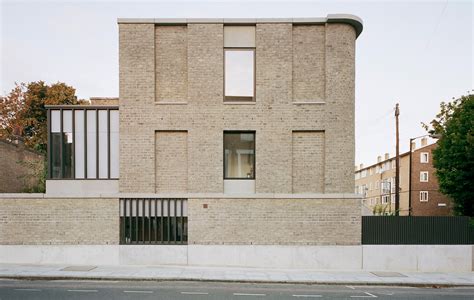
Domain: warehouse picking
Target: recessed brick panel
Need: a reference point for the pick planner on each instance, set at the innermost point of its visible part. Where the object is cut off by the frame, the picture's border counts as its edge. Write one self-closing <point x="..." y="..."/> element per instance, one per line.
<point x="171" y="163"/>
<point x="308" y="162"/>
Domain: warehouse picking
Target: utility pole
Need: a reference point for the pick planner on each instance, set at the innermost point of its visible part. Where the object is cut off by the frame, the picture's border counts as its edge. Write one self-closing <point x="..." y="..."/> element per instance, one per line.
<point x="397" y="164"/>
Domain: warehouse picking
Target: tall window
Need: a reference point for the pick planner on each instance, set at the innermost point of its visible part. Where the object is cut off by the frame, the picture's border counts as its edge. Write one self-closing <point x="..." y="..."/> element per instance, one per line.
<point x="239" y="155"/>
<point x="239" y="63"/>
<point x="83" y="143"/>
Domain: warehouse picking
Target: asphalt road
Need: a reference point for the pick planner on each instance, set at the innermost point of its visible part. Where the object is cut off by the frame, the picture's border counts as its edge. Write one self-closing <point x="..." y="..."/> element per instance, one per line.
<point x="62" y="289"/>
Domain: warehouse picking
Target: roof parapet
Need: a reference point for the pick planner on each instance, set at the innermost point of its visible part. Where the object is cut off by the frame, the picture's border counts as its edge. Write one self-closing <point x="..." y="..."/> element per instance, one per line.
<point x="349" y="19"/>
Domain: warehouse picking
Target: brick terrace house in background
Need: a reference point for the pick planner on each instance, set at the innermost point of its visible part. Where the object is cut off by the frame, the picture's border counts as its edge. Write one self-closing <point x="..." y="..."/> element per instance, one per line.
<point x="377" y="184"/>
<point x="426" y="199"/>
<point x="224" y="135"/>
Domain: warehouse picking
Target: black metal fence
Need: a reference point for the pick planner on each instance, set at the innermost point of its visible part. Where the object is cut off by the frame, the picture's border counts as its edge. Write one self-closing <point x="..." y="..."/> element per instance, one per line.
<point x="391" y="230"/>
<point x="153" y="221"/>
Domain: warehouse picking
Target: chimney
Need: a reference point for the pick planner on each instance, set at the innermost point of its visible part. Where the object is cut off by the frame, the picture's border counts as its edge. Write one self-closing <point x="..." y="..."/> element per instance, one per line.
<point x="413" y="145"/>
<point x="361" y="166"/>
<point x="424" y="142"/>
<point x="379" y="158"/>
<point x="387" y="156"/>
<point x="356" y="168"/>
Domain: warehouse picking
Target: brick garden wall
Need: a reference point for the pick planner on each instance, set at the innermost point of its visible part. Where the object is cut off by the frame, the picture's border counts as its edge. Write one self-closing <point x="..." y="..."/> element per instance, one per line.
<point x="58" y="221"/>
<point x="19" y="167"/>
<point x="274" y="221"/>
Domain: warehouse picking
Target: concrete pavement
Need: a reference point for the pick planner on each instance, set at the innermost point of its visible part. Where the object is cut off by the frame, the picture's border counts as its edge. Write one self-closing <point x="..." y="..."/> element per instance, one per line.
<point x="227" y="274"/>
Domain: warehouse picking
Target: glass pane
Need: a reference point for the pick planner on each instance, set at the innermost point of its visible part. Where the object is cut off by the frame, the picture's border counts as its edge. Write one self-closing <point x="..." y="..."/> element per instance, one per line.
<point x="114" y="144"/>
<point x="239" y="73"/>
<point x="91" y="144"/>
<point x="239" y="155"/>
<point x="79" y="143"/>
<point x="103" y="150"/>
<point x="55" y="155"/>
<point x="55" y="121"/>
<point x="67" y="144"/>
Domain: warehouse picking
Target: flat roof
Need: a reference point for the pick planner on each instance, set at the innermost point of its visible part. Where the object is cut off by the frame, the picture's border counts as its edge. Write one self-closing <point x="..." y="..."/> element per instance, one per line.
<point x="352" y="20"/>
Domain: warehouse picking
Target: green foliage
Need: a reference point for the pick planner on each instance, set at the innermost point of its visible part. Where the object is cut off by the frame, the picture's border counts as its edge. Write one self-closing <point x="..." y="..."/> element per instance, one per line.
<point x="454" y="156"/>
<point x="35" y="180"/>
<point x="384" y="210"/>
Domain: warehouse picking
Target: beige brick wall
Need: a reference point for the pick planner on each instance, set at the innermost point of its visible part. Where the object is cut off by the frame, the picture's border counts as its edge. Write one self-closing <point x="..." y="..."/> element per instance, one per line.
<point x="308" y="62"/>
<point x="171" y="161"/>
<point x="59" y="221"/>
<point x="274" y="221"/>
<point x="308" y="162"/>
<point x="171" y="63"/>
<point x="273" y="116"/>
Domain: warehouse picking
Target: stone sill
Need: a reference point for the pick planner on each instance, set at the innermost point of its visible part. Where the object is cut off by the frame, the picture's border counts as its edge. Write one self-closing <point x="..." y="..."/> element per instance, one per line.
<point x="240" y="102"/>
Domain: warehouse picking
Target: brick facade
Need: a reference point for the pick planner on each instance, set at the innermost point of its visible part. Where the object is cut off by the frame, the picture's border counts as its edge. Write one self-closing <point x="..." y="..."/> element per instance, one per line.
<point x="274" y="221"/>
<point x="435" y="197"/>
<point x="58" y="221"/>
<point x="294" y="63"/>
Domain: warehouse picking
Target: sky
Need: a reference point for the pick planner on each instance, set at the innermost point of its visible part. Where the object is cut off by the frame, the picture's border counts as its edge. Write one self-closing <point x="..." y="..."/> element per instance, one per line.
<point x="415" y="53"/>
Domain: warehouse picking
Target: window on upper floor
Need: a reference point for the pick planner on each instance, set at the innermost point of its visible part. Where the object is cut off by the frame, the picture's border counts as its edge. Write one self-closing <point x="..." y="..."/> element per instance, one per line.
<point x="83" y="143"/>
<point x="239" y="155"/>
<point x="423" y="176"/>
<point x="424" y="157"/>
<point x="239" y="63"/>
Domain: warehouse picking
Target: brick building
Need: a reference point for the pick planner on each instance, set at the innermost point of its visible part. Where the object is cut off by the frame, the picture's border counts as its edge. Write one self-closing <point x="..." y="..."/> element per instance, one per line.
<point x="420" y="195"/>
<point x="224" y="134"/>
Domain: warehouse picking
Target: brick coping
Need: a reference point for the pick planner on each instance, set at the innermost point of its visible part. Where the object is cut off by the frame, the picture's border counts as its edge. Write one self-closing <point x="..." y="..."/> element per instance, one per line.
<point x="181" y="195"/>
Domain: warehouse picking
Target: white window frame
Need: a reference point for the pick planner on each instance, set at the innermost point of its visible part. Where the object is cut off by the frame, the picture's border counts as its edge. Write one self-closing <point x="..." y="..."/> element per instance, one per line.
<point x="424" y="196"/>
<point x="422" y="155"/>
<point x="422" y="173"/>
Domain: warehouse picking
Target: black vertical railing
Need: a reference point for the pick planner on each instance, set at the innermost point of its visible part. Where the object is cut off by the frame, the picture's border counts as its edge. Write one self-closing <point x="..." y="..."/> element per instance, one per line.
<point x="410" y="230"/>
<point x="153" y="221"/>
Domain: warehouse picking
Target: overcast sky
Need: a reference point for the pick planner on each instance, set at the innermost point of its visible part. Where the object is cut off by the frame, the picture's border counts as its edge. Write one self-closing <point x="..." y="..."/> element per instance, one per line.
<point x="415" y="53"/>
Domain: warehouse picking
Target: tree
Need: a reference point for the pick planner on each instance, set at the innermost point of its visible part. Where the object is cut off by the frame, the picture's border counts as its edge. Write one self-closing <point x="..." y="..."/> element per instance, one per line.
<point x="22" y="111"/>
<point x="454" y="156"/>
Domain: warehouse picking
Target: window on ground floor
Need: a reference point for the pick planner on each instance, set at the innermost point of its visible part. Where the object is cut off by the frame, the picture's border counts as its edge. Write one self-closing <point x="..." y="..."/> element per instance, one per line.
<point x="239" y="155"/>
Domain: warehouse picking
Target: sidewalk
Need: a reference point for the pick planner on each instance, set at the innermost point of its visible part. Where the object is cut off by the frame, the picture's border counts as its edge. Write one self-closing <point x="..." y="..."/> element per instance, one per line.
<point x="50" y="272"/>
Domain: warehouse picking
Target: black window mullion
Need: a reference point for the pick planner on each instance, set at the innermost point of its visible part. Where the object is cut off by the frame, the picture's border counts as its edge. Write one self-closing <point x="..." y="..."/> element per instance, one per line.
<point x="97" y="144"/>
<point x="61" y="154"/>
<point x="73" y="148"/>
<point x="85" y="143"/>
<point x="48" y="149"/>
<point x="108" y="143"/>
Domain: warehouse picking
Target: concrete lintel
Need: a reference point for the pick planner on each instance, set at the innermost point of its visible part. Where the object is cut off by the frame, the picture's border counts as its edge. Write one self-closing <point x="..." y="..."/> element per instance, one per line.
<point x="274" y="20"/>
<point x="171" y="21"/>
<point x="21" y="195"/>
<point x="205" y="20"/>
<point x="135" y="21"/>
<point x="309" y="20"/>
<point x="240" y="21"/>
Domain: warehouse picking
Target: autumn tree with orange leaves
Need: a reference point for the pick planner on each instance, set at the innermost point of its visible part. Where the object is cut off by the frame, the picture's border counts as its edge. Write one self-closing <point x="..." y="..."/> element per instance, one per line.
<point x="22" y="111"/>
